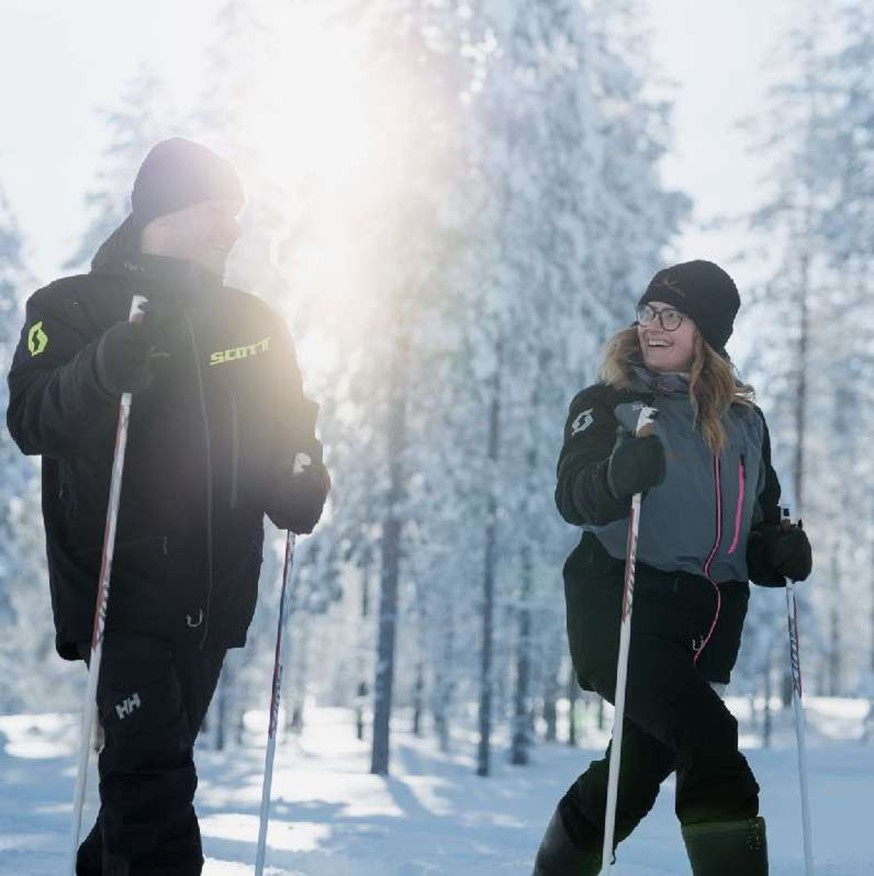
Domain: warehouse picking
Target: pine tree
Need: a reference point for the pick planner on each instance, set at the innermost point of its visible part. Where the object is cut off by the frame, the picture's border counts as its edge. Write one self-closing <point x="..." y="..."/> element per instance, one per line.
<point x="811" y="364"/>
<point x="26" y="633"/>
<point x="144" y="117"/>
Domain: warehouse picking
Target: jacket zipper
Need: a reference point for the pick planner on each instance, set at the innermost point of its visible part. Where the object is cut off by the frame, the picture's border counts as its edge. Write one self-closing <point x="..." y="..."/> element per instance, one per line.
<point x="740" y="504"/>
<point x="203" y="618"/>
<point x="717" y="476"/>
<point x="235" y="457"/>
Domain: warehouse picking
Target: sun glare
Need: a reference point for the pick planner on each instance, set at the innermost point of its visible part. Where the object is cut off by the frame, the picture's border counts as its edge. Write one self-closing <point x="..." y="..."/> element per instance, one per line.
<point x="306" y="114"/>
<point x="335" y="129"/>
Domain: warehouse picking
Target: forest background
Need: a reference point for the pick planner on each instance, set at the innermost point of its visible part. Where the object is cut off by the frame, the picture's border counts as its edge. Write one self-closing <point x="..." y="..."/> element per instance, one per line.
<point x="454" y="204"/>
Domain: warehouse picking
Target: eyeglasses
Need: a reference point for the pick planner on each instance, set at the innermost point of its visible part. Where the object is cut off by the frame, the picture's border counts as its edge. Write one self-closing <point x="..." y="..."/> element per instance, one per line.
<point x="669" y="318"/>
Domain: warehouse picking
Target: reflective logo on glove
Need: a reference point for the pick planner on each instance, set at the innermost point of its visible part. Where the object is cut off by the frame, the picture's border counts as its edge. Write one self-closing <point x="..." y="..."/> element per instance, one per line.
<point x="234" y="353"/>
<point x="37" y="339"/>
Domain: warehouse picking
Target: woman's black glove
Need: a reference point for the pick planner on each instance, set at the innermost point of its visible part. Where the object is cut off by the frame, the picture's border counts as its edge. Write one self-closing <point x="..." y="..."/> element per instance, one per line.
<point x="636" y="465"/>
<point x="122" y="358"/>
<point x="298" y="493"/>
<point x="789" y="553"/>
<point x="775" y="554"/>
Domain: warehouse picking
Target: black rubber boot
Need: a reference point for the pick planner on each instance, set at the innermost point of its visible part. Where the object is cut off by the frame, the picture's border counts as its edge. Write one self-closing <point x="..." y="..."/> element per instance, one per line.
<point x="727" y="848"/>
<point x="558" y="856"/>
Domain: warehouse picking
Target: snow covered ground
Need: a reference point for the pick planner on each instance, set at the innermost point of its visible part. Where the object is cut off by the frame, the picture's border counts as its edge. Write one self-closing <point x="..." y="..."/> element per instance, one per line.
<point x="434" y="815"/>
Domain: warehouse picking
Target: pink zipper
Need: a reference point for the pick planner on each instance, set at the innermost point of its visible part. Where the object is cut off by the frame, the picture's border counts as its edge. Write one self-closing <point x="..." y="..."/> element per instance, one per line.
<point x="740" y="504"/>
<point x="718" y="478"/>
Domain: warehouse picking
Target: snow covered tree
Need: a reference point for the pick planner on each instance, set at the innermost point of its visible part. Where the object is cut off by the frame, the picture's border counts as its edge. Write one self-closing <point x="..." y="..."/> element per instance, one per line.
<point x="30" y="677"/>
<point x="451" y="272"/>
<point x="810" y="361"/>
<point x="567" y="152"/>
<point x="144" y="116"/>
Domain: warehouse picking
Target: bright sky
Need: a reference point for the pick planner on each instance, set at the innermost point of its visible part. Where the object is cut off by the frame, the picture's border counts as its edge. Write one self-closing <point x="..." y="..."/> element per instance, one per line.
<point x="60" y="62"/>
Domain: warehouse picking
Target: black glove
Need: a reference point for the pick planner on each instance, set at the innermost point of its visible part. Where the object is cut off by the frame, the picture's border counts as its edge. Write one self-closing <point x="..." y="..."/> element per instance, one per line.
<point x="789" y="553"/>
<point x="122" y="358"/>
<point x="297" y="497"/>
<point x="636" y="465"/>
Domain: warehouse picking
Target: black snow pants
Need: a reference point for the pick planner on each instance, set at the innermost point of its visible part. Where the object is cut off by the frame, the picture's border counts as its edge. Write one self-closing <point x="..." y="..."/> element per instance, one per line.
<point x="674" y="720"/>
<point x="151" y="700"/>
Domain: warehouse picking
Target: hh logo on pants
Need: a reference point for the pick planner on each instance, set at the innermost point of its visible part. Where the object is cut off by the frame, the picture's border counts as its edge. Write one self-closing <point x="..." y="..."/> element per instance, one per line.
<point x="127" y="705"/>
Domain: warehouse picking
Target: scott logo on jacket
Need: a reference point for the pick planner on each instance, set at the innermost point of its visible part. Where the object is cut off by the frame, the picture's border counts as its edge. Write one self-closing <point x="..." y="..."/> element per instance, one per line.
<point x="220" y="357"/>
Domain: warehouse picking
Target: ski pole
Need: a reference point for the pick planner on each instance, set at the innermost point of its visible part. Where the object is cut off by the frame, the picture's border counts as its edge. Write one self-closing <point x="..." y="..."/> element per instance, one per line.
<point x="89" y="715"/>
<point x="798" y="709"/>
<point x="274" y="704"/>
<point x="644" y="427"/>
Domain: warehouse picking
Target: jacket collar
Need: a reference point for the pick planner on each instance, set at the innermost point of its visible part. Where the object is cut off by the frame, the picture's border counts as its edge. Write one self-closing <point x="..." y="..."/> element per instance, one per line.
<point x="663" y="383"/>
<point x="119" y="255"/>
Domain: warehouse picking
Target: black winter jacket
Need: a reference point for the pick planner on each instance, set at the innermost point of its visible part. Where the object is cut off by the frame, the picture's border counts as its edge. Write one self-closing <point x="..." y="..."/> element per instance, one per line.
<point x="224" y="407"/>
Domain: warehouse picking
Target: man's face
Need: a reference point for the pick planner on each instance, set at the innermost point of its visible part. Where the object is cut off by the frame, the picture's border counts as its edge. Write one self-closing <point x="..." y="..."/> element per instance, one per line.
<point x="203" y="233"/>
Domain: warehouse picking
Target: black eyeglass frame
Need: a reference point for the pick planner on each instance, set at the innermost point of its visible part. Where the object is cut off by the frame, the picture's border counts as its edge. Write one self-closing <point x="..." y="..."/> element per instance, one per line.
<point x="659" y="315"/>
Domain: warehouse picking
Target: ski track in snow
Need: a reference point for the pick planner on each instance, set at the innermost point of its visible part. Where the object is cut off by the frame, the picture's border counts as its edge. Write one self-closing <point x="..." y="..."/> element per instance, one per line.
<point x="433" y="815"/>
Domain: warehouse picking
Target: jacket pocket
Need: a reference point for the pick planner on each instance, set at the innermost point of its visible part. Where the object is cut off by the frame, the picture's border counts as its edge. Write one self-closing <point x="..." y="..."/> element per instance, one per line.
<point x="739" y="509"/>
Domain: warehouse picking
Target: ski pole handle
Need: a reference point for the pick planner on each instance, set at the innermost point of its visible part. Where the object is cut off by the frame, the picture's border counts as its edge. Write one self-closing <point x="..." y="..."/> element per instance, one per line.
<point x="645" y="420"/>
<point x="137" y="308"/>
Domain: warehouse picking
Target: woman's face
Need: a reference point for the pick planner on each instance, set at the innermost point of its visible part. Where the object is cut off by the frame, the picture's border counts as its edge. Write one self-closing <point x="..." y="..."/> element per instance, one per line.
<point x="665" y="350"/>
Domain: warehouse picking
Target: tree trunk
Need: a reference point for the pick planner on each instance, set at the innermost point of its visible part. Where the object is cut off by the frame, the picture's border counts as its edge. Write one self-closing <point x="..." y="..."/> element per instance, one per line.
<point x="294" y="712"/>
<point x="362" y="686"/>
<point x="418" y="694"/>
<point x="444" y="686"/>
<point x="485" y="702"/>
<point x="392" y="532"/>
<point x="572" y="699"/>
<point x="385" y="649"/>
<point x="550" y="707"/>
<point x="521" y="738"/>
<point x="871" y="572"/>
<point x="766" y="715"/>
<point x="221" y="712"/>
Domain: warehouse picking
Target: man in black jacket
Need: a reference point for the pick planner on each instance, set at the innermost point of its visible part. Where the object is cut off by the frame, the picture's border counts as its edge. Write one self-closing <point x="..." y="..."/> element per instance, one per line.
<point x="220" y="433"/>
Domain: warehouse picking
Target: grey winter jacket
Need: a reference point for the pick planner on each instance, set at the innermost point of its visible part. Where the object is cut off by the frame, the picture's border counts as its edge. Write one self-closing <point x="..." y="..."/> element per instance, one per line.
<point x="704" y="517"/>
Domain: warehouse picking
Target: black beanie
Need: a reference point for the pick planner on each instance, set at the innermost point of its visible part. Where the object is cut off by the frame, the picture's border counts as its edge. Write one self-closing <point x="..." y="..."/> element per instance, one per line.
<point x="704" y="292"/>
<point x="178" y="173"/>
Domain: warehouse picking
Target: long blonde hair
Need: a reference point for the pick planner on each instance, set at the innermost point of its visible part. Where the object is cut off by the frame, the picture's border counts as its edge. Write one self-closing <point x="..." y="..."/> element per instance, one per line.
<point x="713" y="383"/>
